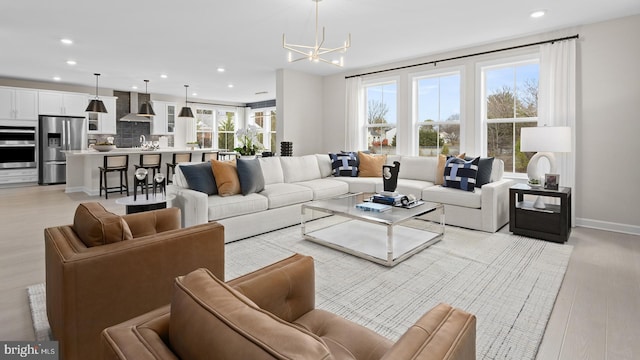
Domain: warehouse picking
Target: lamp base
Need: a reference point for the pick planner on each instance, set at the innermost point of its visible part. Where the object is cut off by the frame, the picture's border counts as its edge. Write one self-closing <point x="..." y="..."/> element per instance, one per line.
<point x="533" y="170"/>
<point x="539" y="204"/>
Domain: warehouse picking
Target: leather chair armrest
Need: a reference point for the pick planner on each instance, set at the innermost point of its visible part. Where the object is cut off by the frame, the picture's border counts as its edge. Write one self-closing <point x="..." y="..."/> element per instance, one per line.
<point x="153" y="222"/>
<point x="142" y="338"/>
<point x="443" y="333"/>
<point x="285" y="289"/>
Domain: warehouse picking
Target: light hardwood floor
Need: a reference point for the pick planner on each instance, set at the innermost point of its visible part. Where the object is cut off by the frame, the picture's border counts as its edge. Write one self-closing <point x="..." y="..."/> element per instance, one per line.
<point x="596" y="314"/>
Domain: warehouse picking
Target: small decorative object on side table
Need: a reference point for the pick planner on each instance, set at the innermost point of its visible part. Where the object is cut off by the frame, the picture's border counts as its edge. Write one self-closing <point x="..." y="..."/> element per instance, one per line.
<point x="552" y="223"/>
<point x="140" y="179"/>
<point x="159" y="183"/>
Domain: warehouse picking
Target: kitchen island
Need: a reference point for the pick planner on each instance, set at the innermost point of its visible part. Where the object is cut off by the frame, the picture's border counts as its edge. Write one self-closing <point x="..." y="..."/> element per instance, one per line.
<point x="83" y="174"/>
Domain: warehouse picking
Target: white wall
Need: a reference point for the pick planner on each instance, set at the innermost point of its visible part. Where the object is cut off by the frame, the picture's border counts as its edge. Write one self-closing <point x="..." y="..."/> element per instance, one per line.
<point x="608" y="115"/>
<point x="299" y="106"/>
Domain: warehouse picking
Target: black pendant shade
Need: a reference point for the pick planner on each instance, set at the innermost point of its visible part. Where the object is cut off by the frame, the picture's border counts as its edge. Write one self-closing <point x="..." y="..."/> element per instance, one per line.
<point x="145" y="107"/>
<point x="96" y="105"/>
<point x="186" y="112"/>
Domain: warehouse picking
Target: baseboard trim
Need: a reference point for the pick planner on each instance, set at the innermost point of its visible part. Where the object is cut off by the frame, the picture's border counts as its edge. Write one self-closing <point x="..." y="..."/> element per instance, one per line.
<point x="608" y="226"/>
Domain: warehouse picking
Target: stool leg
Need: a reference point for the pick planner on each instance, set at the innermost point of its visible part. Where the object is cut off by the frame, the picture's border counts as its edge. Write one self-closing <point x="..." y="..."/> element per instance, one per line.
<point x="106" y="187"/>
<point x="100" y="193"/>
<point x="126" y="181"/>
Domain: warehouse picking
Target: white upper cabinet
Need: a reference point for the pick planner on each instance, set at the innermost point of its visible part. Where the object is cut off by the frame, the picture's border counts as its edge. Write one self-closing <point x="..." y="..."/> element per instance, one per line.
<point x="18" y="104"/>
<point x="60" y="103"/>
<point x="99" y="123"/>
<point x="164" y="121"/>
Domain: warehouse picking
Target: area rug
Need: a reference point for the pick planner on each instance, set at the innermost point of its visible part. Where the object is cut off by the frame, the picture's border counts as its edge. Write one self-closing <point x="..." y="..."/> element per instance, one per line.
<point x="509" y="282"/>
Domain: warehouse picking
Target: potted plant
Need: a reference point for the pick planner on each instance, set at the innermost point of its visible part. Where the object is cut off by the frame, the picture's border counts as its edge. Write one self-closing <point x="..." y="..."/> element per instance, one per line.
<point x="193" y="145"/>
<point x="248" y="139"/>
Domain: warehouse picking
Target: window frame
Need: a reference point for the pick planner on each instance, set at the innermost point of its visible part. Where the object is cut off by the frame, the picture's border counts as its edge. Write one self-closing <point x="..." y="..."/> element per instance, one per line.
<point x="267" y="131"/>
<point x="414" y="79"/>
<point x="216" y="116"/>
<point x="364" y="124"/>
<point x="482" y="136"/>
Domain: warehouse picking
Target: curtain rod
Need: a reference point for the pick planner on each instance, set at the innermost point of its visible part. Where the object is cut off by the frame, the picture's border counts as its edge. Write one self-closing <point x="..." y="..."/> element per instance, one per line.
<point x="466" y="56"/>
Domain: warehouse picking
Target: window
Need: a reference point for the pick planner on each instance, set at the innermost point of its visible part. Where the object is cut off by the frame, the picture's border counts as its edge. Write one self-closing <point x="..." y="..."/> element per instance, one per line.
<point x="381" y="110"/>
<point x="510" y="102"/>
<point x="215" y="128"/>
<point x="437" y="114"/>
<point x="266" y="119"/>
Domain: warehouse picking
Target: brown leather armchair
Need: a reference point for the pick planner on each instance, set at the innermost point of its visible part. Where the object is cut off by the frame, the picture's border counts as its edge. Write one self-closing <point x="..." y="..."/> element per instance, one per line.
<point x="270" y="314"/>
<point x="105" y="269"/>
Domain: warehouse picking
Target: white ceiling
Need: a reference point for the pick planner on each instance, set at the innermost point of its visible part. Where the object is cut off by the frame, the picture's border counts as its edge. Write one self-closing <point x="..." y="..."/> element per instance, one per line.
<point x="128" y="41"/>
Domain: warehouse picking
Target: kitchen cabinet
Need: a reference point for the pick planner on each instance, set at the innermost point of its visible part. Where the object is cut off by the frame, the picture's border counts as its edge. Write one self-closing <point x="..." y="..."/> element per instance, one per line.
<point x="18" y="104"/>
<point x="99" y="123"/>
<point x="15" y="176"/>
<point x="61" y="103"/>
<point x="164" y="121"/>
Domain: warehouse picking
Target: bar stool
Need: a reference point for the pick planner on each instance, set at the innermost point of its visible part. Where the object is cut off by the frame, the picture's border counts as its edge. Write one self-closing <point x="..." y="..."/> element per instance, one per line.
<point x="177" y="159"/>
<point x="150" y="162"/>
<point x="207" y="156"/>
<point x="114" y="163"/>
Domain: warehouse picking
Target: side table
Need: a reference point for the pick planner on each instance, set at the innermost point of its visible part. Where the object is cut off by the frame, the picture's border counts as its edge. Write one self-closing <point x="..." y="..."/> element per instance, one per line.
<point x="154" y="202"/>
<point x="553" y="223"/>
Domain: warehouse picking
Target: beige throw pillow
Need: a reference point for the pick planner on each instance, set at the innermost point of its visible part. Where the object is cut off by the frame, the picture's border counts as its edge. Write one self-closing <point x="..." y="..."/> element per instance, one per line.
<point x="226" y="176"/>
<point x="370" y="165"/>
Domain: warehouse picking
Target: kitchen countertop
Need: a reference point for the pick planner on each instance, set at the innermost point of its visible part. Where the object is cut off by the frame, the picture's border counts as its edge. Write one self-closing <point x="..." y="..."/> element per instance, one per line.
<point x="123" y="151"/>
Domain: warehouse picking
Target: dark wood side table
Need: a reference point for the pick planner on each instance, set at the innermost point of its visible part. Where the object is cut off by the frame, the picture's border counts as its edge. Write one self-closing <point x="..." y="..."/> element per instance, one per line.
<point x="553" y="223"/>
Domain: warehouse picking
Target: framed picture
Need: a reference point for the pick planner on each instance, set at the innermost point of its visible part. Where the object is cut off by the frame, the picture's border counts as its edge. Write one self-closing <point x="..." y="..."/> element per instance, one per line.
<point x="551" y="181"/>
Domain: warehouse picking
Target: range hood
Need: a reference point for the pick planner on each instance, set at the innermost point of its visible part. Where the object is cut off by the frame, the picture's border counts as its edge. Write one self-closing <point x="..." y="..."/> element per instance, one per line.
<point x="133" y="106"/>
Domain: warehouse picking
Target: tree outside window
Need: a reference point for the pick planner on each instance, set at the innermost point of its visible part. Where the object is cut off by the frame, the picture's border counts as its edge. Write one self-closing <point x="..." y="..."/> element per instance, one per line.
<point x="511" y="103"/>
<point x="381" y="110"/>
<point x="226" y="130"/>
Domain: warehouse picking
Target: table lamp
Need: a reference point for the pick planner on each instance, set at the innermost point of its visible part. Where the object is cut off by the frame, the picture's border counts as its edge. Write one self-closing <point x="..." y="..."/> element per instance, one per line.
<point x="545" y="140"/>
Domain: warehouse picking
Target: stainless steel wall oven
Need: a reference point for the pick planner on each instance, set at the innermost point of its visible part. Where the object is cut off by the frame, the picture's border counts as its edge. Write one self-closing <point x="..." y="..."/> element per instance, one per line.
<point x="17" y="147"/>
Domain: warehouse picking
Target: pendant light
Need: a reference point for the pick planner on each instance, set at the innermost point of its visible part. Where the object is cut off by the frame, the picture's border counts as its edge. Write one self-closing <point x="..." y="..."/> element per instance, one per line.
<point x="96" y="105"/>
<point x="145" y="107"/>
<point x="186" y="110"/>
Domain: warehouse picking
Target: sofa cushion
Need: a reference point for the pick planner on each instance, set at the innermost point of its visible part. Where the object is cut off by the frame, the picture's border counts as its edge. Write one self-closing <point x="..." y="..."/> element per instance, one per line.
<point x="279" y="195"/>
<point x="271" y="170"/>
<point x="370" y="165"/>
<point x="300" y="168"/>
<point x="344" y="164"/>
<point x="461" y="174"/>
<point x="325" y="165"/>
<point x="250" y="176"/>
<point x="418" y="168"/>
<point x="410" y="186"/>
<point x="207" y="314"/>
<point x="222" y="207"/>
<point x="226" y="176"/>
<point x="364" y="185"/>
<point x="485" y="166"/>
<point x="325" y="188"/>
<point x="452" y="196"/>
<point x="199" y="177"/>
<point x="95" y="226"/>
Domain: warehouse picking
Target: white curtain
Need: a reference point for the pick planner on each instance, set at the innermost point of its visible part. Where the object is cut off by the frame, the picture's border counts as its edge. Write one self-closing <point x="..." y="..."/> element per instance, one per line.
<point x="353" y="116"/>
<point x="557" y="102"/>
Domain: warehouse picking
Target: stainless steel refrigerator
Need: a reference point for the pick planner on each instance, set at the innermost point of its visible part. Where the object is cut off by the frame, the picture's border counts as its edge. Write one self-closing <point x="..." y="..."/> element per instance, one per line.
<point x="58" y="133"/>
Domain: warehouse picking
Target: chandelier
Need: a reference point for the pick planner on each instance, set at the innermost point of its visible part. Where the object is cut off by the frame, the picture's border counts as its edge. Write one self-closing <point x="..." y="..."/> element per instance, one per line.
<point x="315" y="52"/>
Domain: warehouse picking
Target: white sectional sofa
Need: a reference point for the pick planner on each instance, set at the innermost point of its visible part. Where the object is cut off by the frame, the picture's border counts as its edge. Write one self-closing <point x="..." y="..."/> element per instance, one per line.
<point x="292" y="181"/>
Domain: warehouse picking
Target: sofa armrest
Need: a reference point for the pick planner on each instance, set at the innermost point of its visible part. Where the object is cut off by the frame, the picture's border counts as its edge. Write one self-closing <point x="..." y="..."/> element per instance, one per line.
<point x="152" y="222"/>
<point x="193" y="205"/>
<point x="285" y="289"/>
<point x="142" y="338"/>
<point x="443" y="333"/>
<point x="495" y="204"/>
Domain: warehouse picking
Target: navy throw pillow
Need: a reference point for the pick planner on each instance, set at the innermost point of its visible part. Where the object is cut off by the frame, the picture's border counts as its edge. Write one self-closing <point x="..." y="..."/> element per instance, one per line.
<point x="461" y="174"/>
<point x="344" y="164"/>
<point x="250" y="175"/>
<point x="484" y="170"/>
<point x="200" y="177"/>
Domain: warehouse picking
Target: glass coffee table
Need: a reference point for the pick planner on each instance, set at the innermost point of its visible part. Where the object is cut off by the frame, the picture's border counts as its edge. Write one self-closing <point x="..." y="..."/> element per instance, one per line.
<point x="386" y="238"/>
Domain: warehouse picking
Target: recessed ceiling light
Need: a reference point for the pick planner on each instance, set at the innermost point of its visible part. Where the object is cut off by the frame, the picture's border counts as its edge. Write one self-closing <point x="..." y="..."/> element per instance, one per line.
<point x="71" y="62"/>
<point x="194" y="94"/>
<point x="66" y="41"/>
<point x="164" y="76"/>
<point x="538" y="14"/>
<point x="230" y="86"/>
<point x="57" y="78"/>
<point x="134" y="87"/>
<point x="221" y="69"/>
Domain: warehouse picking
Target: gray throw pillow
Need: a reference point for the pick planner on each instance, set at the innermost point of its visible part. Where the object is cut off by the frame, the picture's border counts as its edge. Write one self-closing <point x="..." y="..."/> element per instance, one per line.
<point x="484" y="170"/>
<point x="200" y="177"/>
<point x="250" y="175"/>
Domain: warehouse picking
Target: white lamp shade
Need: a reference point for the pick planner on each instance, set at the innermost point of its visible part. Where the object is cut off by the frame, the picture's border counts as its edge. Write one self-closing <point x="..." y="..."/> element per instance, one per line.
<point x="545" y="138"/>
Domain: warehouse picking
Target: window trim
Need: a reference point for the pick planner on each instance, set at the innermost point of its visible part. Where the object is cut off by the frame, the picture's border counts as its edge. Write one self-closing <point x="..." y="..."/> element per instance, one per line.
<point x="364" y="126"/>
